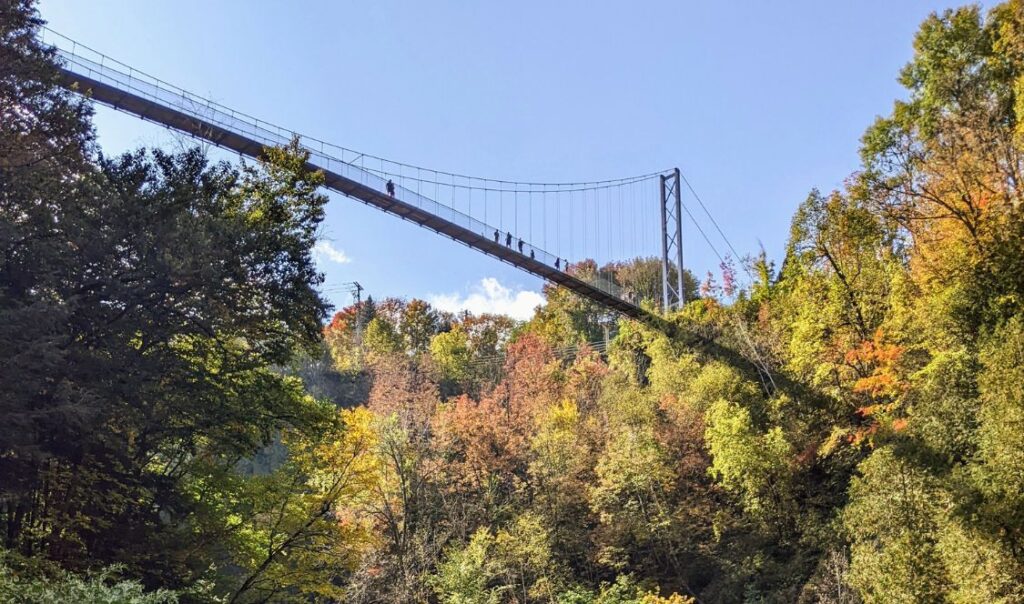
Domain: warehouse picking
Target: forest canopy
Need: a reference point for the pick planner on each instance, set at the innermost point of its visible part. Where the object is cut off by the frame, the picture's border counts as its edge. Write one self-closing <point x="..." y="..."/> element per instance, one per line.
<point x="186" y="420"/>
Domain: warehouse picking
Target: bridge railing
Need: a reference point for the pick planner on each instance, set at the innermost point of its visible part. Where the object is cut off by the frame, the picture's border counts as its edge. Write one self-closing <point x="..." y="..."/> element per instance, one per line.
<point x="87" y="62"/>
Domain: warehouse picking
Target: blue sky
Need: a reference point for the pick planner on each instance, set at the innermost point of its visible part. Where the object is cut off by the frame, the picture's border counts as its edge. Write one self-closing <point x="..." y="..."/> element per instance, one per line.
<point x="756" y="102"/>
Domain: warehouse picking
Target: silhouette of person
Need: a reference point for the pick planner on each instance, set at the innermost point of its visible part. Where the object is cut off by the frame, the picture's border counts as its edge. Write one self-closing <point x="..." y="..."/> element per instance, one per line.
<point x="558" y="263"/>
<point x="520" y="245"/>
<point x="391" y="187"/>
<point x="508" y="239"/>
<point x="495" y="235"/>
<point x="532" y="257"/>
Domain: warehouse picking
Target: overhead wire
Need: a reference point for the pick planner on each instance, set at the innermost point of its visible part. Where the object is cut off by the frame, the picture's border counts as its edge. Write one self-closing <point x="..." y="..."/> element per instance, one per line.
<point x="561" y="353"/>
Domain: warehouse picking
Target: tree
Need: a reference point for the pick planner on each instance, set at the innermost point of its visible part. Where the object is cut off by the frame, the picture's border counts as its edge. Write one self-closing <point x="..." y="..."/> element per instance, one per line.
<point x="146" y="302"/>
<point x="892" y="518"/>
<point x="513" y="565"/>
<point x="466" y="574"/>
<point x="45" y="141"/>
<point x="642" y="278"/>
<point x="380" y="338"/>
<point x="567" y="318"/>
<point x="629" y="495"/>
<point x="450" y="351"/>
<point x="999" y="472"/>
<point x="755" y="466"/>
<point x="58" y="585"/>
<point x="418" y="324"/>
<point x="294" y="538"/>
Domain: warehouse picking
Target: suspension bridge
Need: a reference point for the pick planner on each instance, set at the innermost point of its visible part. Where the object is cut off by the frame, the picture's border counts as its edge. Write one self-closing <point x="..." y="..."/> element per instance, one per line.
<point x="546" y="229"/>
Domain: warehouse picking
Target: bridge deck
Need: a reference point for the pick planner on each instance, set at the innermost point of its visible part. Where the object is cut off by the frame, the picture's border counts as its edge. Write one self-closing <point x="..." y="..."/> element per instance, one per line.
<point x="190" y="123"/>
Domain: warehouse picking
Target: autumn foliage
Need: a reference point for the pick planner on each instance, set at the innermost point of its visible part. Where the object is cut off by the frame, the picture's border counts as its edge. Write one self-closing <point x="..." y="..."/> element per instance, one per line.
<point x="183" y="420"/>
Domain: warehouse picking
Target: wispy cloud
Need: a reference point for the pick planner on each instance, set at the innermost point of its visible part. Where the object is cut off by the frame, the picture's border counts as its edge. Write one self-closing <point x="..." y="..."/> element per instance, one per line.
<point x="325" y="250"/>
<point x="490" y="296"/>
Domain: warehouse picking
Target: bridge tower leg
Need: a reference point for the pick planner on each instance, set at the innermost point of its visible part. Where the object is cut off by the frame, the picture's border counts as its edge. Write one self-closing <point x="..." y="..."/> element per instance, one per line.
<point x="672" y="294"/>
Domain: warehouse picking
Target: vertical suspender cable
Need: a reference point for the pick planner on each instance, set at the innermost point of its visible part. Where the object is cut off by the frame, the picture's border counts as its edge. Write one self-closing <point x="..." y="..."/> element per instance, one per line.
<point x="602" y="207"/>
<point x="608" y="228"/>
<point x="597" y="234"/>
<point x="597" y="226"/>
<point x="558" y="221"/>
<point x="544" y="218"/>
<point x="596" y="209"/>
<point x="572" y="223"/>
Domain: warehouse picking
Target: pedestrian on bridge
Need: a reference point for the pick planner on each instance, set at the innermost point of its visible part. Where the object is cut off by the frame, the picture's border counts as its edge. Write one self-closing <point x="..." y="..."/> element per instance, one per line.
<point x="391" y="187"/>
<point x="532" y="257"/>
<point x="558" y="263"/>
<point x="520" y="245"/>
<point x="496" y="235"/>
<point x="508" y="239"/>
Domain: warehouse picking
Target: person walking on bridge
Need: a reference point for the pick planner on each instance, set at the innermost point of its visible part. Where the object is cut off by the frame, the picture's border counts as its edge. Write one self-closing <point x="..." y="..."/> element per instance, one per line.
<point x="520" y="245"/>
<point x="496" y="235"/>
<point x="391" y="187"/>
<point x="508" y="239"/>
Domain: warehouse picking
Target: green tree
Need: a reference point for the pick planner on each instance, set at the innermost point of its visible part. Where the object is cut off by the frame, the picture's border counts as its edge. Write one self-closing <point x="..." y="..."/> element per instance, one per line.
<point x="381" y="338"/>
<point x="513" y="565"/>
<point x="450" y="351"/>
<point x="466" y="574"/>
<point x="147" y="301"/>
<point x="418" y="324"/>
<point x="893" y="519"/>
<point x="755" y="466"/>
<point x="999" y="472"/>
<point x="56" y="586"/>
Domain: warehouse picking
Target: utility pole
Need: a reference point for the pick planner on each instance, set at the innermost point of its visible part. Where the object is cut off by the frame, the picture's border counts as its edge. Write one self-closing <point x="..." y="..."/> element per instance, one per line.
<point x="356" y="290"/>
<point x="357" y="293"/>
<point x="672" y="294"/>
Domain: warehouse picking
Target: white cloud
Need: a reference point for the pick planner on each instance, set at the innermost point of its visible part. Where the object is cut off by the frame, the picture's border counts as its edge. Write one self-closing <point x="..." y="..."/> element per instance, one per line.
<point x="324" y="249"/>
<point x="490" y="296"/>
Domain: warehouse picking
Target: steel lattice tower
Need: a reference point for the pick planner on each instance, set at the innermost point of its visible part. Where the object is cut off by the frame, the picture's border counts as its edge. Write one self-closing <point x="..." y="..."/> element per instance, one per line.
<point x="672" y="294"/>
